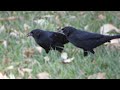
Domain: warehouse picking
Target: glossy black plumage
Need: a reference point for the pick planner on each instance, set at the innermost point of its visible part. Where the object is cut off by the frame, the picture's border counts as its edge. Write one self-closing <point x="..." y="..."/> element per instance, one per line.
<point x="86" y="40"/>
<point x="49" y="40"/>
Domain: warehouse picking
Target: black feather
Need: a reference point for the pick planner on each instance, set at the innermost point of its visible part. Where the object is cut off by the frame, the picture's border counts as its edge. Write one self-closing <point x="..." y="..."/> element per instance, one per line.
<point x="49" y="40"/>
<point x="86" y="40"/>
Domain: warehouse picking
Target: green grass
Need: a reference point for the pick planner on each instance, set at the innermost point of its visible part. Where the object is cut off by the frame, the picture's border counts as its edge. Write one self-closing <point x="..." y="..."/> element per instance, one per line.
<point x="105" y="60"/>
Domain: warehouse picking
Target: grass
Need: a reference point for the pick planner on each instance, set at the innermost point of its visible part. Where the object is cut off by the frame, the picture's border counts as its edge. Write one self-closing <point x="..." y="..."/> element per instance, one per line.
<point x="105" y="60"/>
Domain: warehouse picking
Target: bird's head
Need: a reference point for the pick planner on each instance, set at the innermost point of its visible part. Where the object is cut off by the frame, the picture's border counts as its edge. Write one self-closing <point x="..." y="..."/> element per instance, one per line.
<point x="34" y="33"/>
<point x="67" y="31"/>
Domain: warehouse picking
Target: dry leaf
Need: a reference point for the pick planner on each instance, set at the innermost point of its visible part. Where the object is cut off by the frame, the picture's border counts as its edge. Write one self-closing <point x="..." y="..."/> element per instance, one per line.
<point x="72" y="17"/>
<point x="41" y="22"/>
<point x="30" y="76"/>
<point x="26" y="27"/>
<point x="26" y="70"/>
<point x="115" y="41"/>
<point x="12" y="18"/>
<point x="97" y="76"/>
<point x="14" y="34"/>
<point x="106" y="28"/>
<point x="43" y="75"/>
<point x="65" y="58"/>
<point x="81" y="13"/>
<point x="66" y="61"/>
<point x="3" y="76"/>
<point x="18" y="78"/>
<point x="9" y="18"/>
<point x="47" y="59"/>
<point x="2" y="28"/>
<point x="5" y="44"/>
<point x="101" y="17"/>
<point x="6" y="60"/>
<point x="11" y="76"/>
<point x="57" y="19"/>
<point x="47" y="16"/>
<point x="86" y="27"/>
<point x="39" y="49"/>
<point x="29" y="52"/>
<point x="10" y="68"/>
<point x="64" y="55"/>
<point x="21" y="72"/>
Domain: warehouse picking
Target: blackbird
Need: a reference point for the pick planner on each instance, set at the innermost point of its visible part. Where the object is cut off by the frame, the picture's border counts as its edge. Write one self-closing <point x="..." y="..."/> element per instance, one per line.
<point x="85" y="40"/>
<point x="49" y="40"/>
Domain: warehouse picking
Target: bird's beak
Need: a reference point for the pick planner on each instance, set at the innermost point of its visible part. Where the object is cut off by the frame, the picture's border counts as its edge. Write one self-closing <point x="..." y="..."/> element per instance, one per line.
<point x="61" y="31"/>
<point x="29" y="34"/>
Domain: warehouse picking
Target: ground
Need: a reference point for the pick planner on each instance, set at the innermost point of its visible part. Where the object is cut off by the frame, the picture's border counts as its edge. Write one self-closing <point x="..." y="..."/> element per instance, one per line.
<point x="19" y="57"/>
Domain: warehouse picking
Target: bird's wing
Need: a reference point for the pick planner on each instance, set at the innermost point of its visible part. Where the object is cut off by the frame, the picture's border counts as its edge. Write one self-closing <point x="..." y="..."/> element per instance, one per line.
<point x="59" y="38"/>
<point x="44" y="40"/>
<point x="87" y="35"/>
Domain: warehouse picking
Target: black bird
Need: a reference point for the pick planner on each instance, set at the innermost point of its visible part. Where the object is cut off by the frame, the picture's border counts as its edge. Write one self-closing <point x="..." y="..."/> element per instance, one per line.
<point x="49" y="40"/>
<point x="85" y="40"/>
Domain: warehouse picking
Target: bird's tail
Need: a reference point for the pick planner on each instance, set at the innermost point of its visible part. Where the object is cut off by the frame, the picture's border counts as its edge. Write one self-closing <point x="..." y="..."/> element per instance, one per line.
<point x="108" y="38"/>
<point x="114" y="37"/>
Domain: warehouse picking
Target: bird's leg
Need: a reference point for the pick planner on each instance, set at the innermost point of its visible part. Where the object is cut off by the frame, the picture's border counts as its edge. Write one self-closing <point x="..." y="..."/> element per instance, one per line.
<point x="109" y="41"/>
<point x="60" y="49"/>
<point x="85" y="53"/>
<point x="47" y="50"/>
<point x="92" y="51"/>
